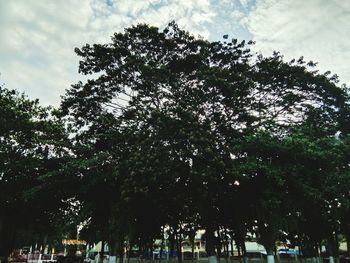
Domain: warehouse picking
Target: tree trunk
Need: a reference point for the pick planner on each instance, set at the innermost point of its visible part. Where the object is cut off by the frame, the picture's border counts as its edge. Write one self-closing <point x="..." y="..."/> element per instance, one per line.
<point x="152" y="249"/>
<point x="140" y="251"/>
<point x="161" y="248"/>
<point x="241" y="248"/>
<point x="119" y="248"/>
<point x="218" y="244"/>
<point x="210" y="245"/>
<point x="319" y="245"/>
<point x="120" y="251"/>
<point x="336" y="247"/>
<point x="179" y="248"/>
<point x="113" y="251"/>
<point x="44" y="245"/>
<point x="239" y="235"/>
<point x="244" y="251"/>
<point x="49" y="247"/>
<point x="102" y="252"/>
<point x="226" y="246"/>
<point x="231" y="244"/>
<point x="331" y="248"/>
<point x="129" y="251"/>
<point x="268" y="240"/>
<point x="192" y="249"/>
<point x="171" y="246"/>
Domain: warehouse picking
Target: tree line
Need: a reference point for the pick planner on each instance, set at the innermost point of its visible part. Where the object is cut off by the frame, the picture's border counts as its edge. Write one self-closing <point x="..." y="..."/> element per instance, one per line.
<point x="171" y="133"/>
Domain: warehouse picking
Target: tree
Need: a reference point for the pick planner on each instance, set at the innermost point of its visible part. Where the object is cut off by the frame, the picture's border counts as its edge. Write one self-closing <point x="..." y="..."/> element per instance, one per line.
<point x="172" y="119"/>
<point x="32" y="142"/>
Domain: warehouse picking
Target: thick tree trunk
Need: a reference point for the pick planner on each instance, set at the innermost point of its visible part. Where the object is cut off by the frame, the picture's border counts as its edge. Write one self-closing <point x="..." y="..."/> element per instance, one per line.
<point x="113" y="251"/>
<point x="210" y="245"/>
<point x="268" y="240"/>
<point x="240" y="244"/>
<point x="331" y="247"/>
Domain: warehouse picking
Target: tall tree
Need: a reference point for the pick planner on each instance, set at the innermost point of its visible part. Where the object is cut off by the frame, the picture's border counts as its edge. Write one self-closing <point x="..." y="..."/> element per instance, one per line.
<point x="179" y="119"/>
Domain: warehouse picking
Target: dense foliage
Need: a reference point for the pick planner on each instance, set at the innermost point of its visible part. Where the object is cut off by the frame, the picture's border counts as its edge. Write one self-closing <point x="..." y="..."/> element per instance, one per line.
<point x="32" y="144"/>
<point x="171" y="134"/>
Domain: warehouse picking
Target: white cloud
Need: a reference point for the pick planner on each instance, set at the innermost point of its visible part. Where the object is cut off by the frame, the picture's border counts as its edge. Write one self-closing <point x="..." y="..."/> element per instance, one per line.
<point x="317" y="30"/>
<point x="244" y="3"/>
<point x="38" y="37"/>
<point x="36" y="51"/>
<point x="237" y="15"/>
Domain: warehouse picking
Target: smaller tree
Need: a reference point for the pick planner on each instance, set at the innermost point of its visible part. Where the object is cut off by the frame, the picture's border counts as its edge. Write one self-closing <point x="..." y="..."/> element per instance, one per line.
<point x="32" y="143"/>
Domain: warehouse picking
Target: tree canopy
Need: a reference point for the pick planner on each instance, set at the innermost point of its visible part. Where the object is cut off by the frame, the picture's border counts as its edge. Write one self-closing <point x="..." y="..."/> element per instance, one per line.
<point x="173" y="133"/>
<point x="32" y="144"/>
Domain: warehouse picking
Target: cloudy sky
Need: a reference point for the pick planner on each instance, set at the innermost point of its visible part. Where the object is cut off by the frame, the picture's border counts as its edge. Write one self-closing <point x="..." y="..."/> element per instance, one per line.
<point x="37" y="37"/>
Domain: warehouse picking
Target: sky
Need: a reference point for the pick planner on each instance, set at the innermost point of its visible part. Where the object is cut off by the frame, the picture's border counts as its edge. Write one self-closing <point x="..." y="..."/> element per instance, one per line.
<point x="38" y="37"/>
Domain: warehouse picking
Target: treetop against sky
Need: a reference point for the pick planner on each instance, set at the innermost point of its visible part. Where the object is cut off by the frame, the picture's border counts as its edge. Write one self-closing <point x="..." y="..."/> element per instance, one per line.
<point x="38" y="37"/>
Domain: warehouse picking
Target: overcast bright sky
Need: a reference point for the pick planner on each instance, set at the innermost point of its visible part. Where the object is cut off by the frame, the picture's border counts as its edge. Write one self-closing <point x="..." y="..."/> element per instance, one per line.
<point x="37" y="37"/>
